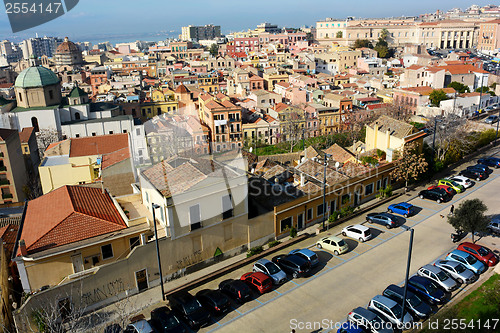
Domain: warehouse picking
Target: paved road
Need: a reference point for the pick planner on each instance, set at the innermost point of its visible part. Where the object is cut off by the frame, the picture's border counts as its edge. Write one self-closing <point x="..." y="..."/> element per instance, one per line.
<point x="350" y="280"/>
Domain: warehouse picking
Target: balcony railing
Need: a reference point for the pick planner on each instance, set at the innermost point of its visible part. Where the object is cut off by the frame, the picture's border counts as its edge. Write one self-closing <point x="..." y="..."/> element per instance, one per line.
<point x="7" y="196"/>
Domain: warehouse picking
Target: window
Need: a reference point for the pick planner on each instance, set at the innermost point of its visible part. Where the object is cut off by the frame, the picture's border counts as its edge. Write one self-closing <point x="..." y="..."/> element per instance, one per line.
<point x="227" y="207"/>
<point x="286" y="224"/>
<point x="51" y="94"/>
<point x="319" y="210"/>
<point x="345" y="198"/>
<point x="309" y="214"/>
<point x="195" y="217"/>
<point x="138" y="131"/>
<point x="134" y="241"/>
<point x="94" y="134"/>
<point x="369" y="189"/>
<point x="77" y="135"/>
<point x="379" y="184"/>
<point x="110" y="132"/>
<point x="107" y="251"/>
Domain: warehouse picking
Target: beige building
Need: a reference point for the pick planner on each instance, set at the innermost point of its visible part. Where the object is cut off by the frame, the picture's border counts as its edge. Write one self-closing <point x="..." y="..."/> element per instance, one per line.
<point x="489" y="35"/>
<point x="13" y="174"/>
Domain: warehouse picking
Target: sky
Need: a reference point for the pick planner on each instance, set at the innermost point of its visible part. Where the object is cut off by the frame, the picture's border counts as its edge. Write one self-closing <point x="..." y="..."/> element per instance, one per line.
<point x="99" y="19"/>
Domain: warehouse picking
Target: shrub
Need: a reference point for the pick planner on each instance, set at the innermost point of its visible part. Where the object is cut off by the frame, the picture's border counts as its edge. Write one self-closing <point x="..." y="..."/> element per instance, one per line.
<point x="486" y="137"/>
<point x="346" y="211"/>
<point x="385" y="192"/>
<point x="293" y="232"/>
<point x="273" y="243"/>
<point x="380" y="153"/>
<point x="254" y="250"/>
<point x="369" y="160"/>
<point x="333" y="217"/>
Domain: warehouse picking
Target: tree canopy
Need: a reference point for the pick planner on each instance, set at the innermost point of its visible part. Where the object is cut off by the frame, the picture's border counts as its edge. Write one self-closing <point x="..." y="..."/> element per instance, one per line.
<point x="486" y="90"/>
<point x="469" y="217"/>
<point x="411" y="164"/>
<point x="360" y="43"/>
<point x="459" y="87"/>
<point x="214" y="50"/>
<point x="436" y="96"/>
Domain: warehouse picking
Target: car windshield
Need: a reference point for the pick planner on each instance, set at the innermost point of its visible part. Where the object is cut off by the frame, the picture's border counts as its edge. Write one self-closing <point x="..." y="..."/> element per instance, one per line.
<point x="272" y="268"/>
<point x="442" y="276"/>
<point x="431" y="288"/>
<point x="170" y="321"/>
<point x="460" y="268"/>
<point x="471" y="260"/>
<point x="377" y="322"/>
<point x="341" y="242"/>
<point x="454" y="183"/>
<point x="482" y="251"/>
<point x="414" y="300"/>
<point x="396" y="309"/>
<point x="192" y="306"/>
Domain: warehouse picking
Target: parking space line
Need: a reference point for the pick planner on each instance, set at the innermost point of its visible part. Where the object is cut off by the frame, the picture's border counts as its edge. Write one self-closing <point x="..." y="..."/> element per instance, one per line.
<point x="277" y="292"/>
<point x="293" y="282"/>
<point x="255" y="299"/>
<point x="235" y="309"/>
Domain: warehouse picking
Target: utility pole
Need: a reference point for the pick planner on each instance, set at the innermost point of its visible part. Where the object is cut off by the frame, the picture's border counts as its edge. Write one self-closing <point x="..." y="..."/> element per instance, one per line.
<point x="155" y="206"/>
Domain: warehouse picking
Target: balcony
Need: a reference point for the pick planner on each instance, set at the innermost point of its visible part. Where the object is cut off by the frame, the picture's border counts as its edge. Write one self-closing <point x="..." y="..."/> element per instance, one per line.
<point x="4" y="182"/>
<point x="7" y="196"/>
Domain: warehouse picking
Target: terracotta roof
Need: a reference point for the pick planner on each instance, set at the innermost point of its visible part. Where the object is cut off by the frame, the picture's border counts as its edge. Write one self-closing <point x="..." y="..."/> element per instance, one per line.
<point x="69" y="214"/>
<point x="8" y="236"/>
<point x="338" y="153"/>
<point x="316" y="170"/>
<point x="98" y="145"/>
<point x="462" y="69"/>
<point x="25" y="134"/>
<point x="397" y="128"/>
<point x="115" y="157"/>
<point x="181" y="89"/>
<point x="414" y="67"/>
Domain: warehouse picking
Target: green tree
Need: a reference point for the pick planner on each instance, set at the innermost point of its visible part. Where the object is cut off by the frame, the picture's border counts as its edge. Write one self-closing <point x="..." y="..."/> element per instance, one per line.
<point x="460" y="87"/>
<point x="384" y="33"/>
<point x="469" y="217"/>
<point x="339" y="34"/>
<point x="436" y="96"/>
<point x="382" y="47"/>
<point x="360" y="43"/>
<point x="411" y="164"/>
<point x="214" y="50"/>
<point x="486" y="90"/>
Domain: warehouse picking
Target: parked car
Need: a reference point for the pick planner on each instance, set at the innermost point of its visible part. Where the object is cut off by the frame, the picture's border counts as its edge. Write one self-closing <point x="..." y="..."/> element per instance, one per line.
<point x="258" y="281"/>
<point x="464" y="181"/>
<point x="447" y="189"/>
<point x="427" y="289"/>
<point x="418" y="308"/>
<point x="481" y="253"/>
<point x="454" y="185"/>
<point x="333" y="244"/>
<point x="491" y="119"/>
<point x="189" y="309"/>
<point x="164" y="321"/>
<point x="490" y="161"/>
<point x="388" y="308"/>
<point x="441" y="278"/>
<point x="467" y="260"/>
<point x="456" y="270"/>
<point x="481" y="167"/>
<point x="474" y="174"/>
<point x="357" y="231"/>
<point x="402" y="208"/>
<point x="494" y="226"/>
<point x="369" y="320"/>
<point x="214" y="301"/>
<point x="307" y="254"/>
<point x="438" y="195"/>
<point x="236" y="289"/>
<point x="293" y="264"/>
<point x="348" y="327"/>
<point x="270" y="269"/>
<point x="113" y="328"/>
<point x="386" y="219"/>
<point x="141" y="326"/>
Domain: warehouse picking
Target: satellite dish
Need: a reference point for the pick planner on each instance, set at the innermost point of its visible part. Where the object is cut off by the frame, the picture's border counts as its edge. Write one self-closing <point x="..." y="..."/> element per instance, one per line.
<point x="251" y="149"/>
<point x="337" y="164"/>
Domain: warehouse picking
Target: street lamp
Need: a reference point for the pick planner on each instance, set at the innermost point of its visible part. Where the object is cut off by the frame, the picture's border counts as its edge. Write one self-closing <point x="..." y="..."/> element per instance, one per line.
<point x="324" y="190"/>
<point x="407" y="270"/>
<point x="498" y="121"/>
<point x="155" y="206"/>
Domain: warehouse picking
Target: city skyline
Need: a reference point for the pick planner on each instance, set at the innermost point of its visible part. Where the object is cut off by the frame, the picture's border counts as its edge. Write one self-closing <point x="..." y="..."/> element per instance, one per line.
<point x="91" y="20"/>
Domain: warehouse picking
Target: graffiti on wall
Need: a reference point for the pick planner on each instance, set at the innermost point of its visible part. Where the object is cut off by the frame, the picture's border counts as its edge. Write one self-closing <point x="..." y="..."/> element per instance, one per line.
<point x="103" y="292"/>
<point x="189" y="260"/>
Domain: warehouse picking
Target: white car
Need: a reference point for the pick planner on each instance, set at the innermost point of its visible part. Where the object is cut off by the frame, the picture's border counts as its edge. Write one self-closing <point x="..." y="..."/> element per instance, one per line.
<point x="461" y="180"/>
<point x="358" y="232"/>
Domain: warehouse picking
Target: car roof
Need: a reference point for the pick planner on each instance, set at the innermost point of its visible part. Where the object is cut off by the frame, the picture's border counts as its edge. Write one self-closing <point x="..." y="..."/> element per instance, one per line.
<point x="182" y="296"/>
<point x="404" y="204"/>
<point x="432" y="268"/>
<point x="369" y="315"/>
<point x="334" y="238"/>
<point x="399" y="290"/>
<point x="460" y="253"/>
<point x="471" y="245"/>
<point x="260" y="276"/>
<point x="305" y="252"/>
<point x="451" y="263"/>
<point x="420" y="279"/>
<point x="263" y="261"/>
<point x="384" y="300"/>
<point x="459" y="177"/>
<point x="358" y="226"/>
<point x="142" y="326"/>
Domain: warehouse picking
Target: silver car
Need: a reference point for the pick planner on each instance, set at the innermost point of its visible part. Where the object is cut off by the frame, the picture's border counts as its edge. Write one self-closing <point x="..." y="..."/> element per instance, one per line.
<point x="270" y="269"/>
<point x="440" y="277"/>
<point x="457" y="271"/>
<point x="369" y="320"/>
<point x="391" y="310"/>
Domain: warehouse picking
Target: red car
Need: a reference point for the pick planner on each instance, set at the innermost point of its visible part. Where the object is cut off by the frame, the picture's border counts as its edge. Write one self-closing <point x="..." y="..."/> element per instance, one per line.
<point x="259" y="281"/>
<point x="481" y="253"/>
<point x="448" y="189"/>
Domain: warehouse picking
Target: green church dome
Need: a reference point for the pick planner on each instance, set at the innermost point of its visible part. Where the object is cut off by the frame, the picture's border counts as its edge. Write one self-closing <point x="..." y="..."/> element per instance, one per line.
<point x="36" y="76"/>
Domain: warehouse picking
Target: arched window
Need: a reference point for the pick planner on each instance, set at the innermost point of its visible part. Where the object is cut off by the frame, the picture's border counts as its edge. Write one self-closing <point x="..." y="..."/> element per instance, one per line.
<point x="77" y="116"/>
<point x="34" y="123"/>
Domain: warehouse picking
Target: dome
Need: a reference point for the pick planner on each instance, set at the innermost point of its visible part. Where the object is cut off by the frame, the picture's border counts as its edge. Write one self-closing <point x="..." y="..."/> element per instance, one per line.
<point x="36" y="76"/>
<point x="67" y="47"/>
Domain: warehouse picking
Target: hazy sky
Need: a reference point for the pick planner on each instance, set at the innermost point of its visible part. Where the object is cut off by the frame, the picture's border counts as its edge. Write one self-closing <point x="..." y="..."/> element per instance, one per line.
<point x="93" y="18"/>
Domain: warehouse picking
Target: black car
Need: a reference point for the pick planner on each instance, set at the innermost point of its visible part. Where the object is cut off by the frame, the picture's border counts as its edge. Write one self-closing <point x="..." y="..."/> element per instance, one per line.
<point x="490" y="161"/>
<point x="473" y="174"/>
<point x="386" y="219"/>
<point x="480" y="167"/>
<point x="236" y="289"/>
<point x="214" y="300"/>
<point x="189" y="309"/>
<point x="427" y="289"/>
<point x="437" y="194"/>
<point x="418" y="308"/>
<point x="293" y="264"/>
<point x="164" y="321"/>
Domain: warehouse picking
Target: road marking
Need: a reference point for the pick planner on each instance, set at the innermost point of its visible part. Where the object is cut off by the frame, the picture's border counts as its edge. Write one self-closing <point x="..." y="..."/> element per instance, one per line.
<point x="277" y="292"/>
<point x="235" y="309"/>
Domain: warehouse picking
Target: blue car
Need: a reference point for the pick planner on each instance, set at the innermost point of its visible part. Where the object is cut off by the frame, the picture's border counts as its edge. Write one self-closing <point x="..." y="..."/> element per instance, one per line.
<point x="427" y="289"/>
<point x="467" y="260"/>
<point x="308" y="255"/>
<point x="402" y="208"/>
<point x="490" y="161"/>
<point x="348" y="327"/>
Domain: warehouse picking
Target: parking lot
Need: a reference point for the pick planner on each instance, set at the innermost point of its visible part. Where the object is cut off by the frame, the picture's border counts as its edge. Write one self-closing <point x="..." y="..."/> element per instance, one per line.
<point x="340" y="283"/>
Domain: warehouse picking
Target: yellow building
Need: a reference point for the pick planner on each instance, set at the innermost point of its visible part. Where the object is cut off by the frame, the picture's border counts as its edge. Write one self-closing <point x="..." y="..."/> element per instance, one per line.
<point x="209" y="83"/>
<point x="149" y="110"/>
<point x="273" y="77"/>
<point x="13" y="175"/>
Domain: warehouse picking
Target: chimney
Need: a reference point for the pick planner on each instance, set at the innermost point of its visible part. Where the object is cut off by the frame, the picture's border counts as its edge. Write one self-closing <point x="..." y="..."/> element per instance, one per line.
<point x="22" y="247"/>
<point x="302" y="179"/>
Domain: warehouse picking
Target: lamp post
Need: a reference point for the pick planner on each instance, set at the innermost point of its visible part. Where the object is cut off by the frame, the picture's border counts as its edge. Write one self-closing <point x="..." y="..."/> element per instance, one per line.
<point x="498" y="121"/>
<point x="407" y="270"/>
<point x="155" y="206"/>
<point x="324" y="190"/>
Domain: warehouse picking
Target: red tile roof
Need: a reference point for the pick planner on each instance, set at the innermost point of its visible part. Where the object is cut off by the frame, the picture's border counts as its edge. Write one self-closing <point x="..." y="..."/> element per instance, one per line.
<point x="67" y="215"/>
<point x="8" y="236"/>
<point x="25" y="134"/>
<point x="115" y="157"/>
<point x="98" y="145"/>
